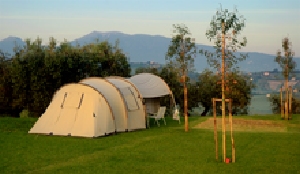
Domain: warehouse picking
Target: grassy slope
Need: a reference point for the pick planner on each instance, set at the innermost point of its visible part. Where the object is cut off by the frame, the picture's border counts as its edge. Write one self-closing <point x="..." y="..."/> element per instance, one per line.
<point x="167" y="149"/>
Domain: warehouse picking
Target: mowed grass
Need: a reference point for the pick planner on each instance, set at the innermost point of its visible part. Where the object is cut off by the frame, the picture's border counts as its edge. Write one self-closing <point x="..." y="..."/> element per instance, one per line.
<point x="165" y="149"/>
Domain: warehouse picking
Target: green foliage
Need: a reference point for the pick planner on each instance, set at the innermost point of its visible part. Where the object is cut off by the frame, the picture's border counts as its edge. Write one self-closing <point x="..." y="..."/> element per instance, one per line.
<point x="275" y="101"/>
<point x="182" y="51"/>
<point x="24" y="114"/>
<point x="170" y="77"/>
<point x="35" y="72"/>
<point x="208" y="88"/>
<point x="286" y="62"/>
<point x="193" y="96"/>
<point x="232" y="22"/>
<point x="180" y="57"/>
<point x="5" y="84"/>
<point x="233" y="27"/>
<point x="238" y="88"/>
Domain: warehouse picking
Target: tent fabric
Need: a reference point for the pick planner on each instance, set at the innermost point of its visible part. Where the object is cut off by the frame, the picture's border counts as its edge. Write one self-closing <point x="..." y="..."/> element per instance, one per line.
<point x="133" y="100"/>
<point x="114" y="98"/>
<point x="93" y="107"/>
<point x="77" y="110"/>
<point x="129" y="98"/>
<point x="150" y="86"/>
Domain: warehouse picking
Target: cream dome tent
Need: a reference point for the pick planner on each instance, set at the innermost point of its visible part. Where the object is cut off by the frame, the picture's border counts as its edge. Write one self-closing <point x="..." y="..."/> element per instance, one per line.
<point x="151" y="87"/>
<point x="125" y="100"/>
<point x="114" y="98"/>
<point x="77" y="110"/>
<point x="136" y="117"/>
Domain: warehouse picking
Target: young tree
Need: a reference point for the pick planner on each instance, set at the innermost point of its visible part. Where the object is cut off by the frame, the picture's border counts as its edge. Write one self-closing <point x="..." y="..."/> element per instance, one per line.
<point x="225" y="25"/>
<point x="288" y="65"/>
<point x="180" y="57"/>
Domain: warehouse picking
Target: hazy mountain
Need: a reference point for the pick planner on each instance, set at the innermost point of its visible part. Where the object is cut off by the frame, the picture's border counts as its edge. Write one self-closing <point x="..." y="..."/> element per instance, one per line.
<point x="143" y="48"/>
<point x="7" y="44"/>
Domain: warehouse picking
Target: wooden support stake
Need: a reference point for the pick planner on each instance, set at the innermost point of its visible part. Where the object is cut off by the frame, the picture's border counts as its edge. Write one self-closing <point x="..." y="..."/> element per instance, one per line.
<point x="281" y="104"/>
<point x="214" y="100"/>
<point x="215" y="127"/>
<point x="286" y="110"/>
<point x="233" y="151"/>
<point x="146" y="122"/>
<point x="224" y="138"/>
<point x="232" y="141"/>
<point x="286" y="104"/>
<point x="290" y="103"/>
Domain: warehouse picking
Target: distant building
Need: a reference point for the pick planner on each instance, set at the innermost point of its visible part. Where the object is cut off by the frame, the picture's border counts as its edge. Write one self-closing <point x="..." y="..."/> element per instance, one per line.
<point x="266" y="73"/>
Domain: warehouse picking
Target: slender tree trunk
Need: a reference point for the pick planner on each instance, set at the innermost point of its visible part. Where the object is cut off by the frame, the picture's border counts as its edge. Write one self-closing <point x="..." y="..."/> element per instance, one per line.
<point x="184" y="69"/>
<point x="290" y="102"/>
<point x="223" y="91"/>
<point x="185" y="102"/>
<point x="281" y="105"/>
<point x="286" y="90"/>
<point x="215" y="127"/>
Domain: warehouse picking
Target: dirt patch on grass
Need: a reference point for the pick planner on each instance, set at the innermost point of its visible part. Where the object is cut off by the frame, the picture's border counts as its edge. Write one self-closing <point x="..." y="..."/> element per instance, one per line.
<point x="244" y="125"/>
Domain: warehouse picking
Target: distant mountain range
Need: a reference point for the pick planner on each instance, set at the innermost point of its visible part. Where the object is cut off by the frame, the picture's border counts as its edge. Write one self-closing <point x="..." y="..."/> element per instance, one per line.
<point x="143" y="48"/>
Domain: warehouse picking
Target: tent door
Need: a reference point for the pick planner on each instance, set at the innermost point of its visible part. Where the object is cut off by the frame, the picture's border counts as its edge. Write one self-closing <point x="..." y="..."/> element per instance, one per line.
<point x="68" y="113"/>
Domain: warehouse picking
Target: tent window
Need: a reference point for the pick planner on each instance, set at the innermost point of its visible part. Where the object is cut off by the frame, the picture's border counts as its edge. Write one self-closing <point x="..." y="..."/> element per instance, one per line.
<point x="130" y="99"/>
<point x="80" y="102"/>
<point x="72" y="100"/>
<point x="65" y="96"/>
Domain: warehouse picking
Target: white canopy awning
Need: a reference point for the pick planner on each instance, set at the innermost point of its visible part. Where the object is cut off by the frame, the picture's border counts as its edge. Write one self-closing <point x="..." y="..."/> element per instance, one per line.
<point x="150" y="86"/>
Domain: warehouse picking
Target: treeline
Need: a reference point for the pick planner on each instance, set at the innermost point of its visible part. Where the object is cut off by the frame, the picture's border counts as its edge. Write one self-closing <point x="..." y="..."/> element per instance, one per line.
<point x="29" y="79"/>
<point x="276" y="104"/>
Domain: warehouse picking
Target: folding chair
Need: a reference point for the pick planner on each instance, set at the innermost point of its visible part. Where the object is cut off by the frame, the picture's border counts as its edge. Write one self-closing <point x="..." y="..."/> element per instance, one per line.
<point x="176" y="115"/>
<point x="160" y="115"/>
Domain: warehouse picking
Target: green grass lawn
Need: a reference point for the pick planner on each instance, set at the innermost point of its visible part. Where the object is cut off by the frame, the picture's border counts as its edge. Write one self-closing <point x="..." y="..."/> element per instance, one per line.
<point x="165" y="149"/>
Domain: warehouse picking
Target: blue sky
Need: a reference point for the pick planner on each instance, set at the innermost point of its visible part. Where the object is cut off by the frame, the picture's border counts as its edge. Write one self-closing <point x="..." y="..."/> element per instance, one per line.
<point x="267" y="21"/>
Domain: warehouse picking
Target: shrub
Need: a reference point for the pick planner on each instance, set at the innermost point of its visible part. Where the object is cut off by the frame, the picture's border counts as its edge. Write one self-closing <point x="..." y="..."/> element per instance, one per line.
<point x="24" y="114"/>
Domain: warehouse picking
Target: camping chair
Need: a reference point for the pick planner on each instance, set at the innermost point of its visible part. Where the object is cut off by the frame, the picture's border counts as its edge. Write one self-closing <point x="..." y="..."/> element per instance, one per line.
<point x="176" y="115"/>
<point x="160" y="115"/>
